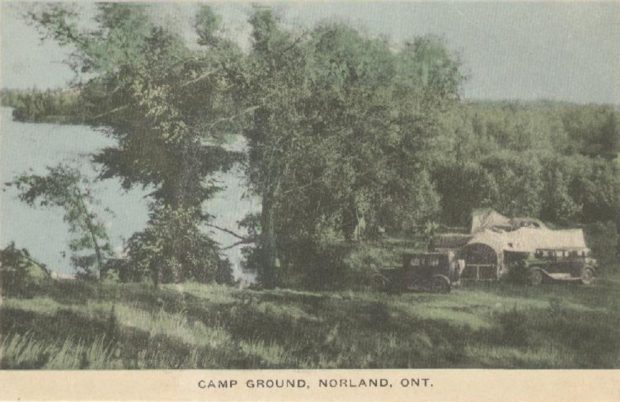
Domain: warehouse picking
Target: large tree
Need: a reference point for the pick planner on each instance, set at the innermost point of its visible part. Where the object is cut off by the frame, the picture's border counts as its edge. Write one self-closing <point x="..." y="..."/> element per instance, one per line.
<point x="167" y="106"/>
<point x="342" y="133"/>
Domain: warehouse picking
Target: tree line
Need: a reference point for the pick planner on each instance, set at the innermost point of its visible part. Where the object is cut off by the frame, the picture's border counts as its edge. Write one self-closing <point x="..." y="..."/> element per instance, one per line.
<point x="44" y="106"/>
<point x="349" y="137"/>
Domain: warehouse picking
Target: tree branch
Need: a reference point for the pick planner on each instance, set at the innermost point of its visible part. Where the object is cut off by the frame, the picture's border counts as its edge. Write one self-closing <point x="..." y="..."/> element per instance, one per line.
<point x="118" y="109"/>
<point x="231" y="118"/>
<point x="200" y="78"/>
<point x="230" y="232"/>
<point x="240" y="242"/>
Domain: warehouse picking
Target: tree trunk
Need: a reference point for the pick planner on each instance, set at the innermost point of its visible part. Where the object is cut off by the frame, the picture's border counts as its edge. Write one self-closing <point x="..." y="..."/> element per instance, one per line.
<point x="268" y="244"/>
<point x="91" y="230"/>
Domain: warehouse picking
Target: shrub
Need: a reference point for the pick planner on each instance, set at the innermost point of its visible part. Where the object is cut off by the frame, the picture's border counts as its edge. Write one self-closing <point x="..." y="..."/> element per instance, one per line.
<point x="603" y="239"/>
<point x="314" y="265"/>
<point x="20" y="275"/>
<point x="363" y="263"/>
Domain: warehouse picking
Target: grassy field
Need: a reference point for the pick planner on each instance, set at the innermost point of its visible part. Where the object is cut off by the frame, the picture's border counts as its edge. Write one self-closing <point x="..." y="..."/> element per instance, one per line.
<point x="71" y="325"/>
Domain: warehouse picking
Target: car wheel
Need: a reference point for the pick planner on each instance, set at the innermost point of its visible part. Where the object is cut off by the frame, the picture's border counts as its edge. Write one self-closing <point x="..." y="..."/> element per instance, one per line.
<point x="535" y="277"/>
<point x="440" y="284"/>
<point x="587" y="276"/>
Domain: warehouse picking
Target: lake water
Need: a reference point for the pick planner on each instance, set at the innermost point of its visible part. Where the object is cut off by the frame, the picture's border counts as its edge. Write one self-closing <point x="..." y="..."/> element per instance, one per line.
<point x="32" y="147"/>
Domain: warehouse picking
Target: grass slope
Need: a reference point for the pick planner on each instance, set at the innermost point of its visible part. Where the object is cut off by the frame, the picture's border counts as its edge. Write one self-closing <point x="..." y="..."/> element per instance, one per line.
<point x="70" y="325"/>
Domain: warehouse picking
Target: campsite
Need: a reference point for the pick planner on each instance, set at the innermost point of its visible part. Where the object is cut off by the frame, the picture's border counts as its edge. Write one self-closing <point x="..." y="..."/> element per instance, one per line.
<point x="492" y="322"/>
<point x="496" y="244"/>
<point x="244" y="186"/>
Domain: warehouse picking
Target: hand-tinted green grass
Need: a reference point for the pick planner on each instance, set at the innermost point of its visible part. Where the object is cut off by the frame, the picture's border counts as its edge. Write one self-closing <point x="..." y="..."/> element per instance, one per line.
<point x="72" y="325"/>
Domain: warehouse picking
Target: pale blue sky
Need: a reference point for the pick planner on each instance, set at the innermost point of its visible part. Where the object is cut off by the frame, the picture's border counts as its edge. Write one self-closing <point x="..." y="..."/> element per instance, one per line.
<point x="524" y="50"/>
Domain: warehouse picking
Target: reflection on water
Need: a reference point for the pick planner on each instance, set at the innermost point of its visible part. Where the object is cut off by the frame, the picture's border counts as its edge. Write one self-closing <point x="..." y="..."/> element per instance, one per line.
<point x="33" y="147"/>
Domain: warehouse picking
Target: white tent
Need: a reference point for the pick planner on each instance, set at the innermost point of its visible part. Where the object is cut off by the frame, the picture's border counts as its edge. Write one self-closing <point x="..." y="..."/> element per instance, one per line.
<point x="485" y="252"/>
<point x="530" y="239"/>
<point x="486" y="218"/>
<point x="497" y="240"/>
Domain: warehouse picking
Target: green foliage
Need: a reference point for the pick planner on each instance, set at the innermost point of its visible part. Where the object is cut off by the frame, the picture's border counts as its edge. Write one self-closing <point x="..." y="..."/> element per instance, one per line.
<point x="167" y="106"/>
<point x="604" y="241"/>
<point x="20" y="274"/>
<point x="364" y="261"/>
<point x="66" y="188"/>
<point x="463" y="186"/>
<point x="342" y="265"/>
<point x="342" y="133"/>
<point x="558" y="202"/>
<point x="49" y="106"/>
<point x="556" y="127"/>
<point x="348" y="136"/>
<point x="593" y="130"/>
<point x="10" y="97"/>
<point x="207" y="24"/>
<point x="535" y="158"/>
<point x="173" y="249"/>
<point x="517" y="178"/>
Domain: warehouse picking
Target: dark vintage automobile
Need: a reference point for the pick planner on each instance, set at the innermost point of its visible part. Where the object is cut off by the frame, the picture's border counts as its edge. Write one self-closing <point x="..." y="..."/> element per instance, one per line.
<point x="559" y="265"/>
<point x="434" y="272"/>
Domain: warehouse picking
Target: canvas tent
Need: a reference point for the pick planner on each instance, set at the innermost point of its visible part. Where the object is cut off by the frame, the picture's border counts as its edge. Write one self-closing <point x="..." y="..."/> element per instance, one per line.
<point x="495" y="241"/>
<point x="484" y="255"/>
<point x="527" y="223"/>
<point x="529" y="239"/>
<point x="486" y="218"/>
<point x="486" y="251"/>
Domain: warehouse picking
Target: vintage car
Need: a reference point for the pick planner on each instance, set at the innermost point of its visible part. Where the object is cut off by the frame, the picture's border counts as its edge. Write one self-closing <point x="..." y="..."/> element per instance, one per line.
<point x="559" y="265"/>
<point x="435" y="272"/>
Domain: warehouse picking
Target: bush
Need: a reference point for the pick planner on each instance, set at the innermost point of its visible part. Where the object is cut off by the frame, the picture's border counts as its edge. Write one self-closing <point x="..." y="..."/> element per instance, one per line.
<point x="173" y="249"/>
<point x="314" y="266"/>
<point x="603" y="239"/>
<point x="340" y="265"/>
<point x="20" y="275"/>
<point x="363" y="263"/>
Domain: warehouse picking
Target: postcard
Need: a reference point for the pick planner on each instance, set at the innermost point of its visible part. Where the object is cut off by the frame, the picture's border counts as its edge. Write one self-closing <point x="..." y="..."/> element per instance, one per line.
<point x="376" y="200"/>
